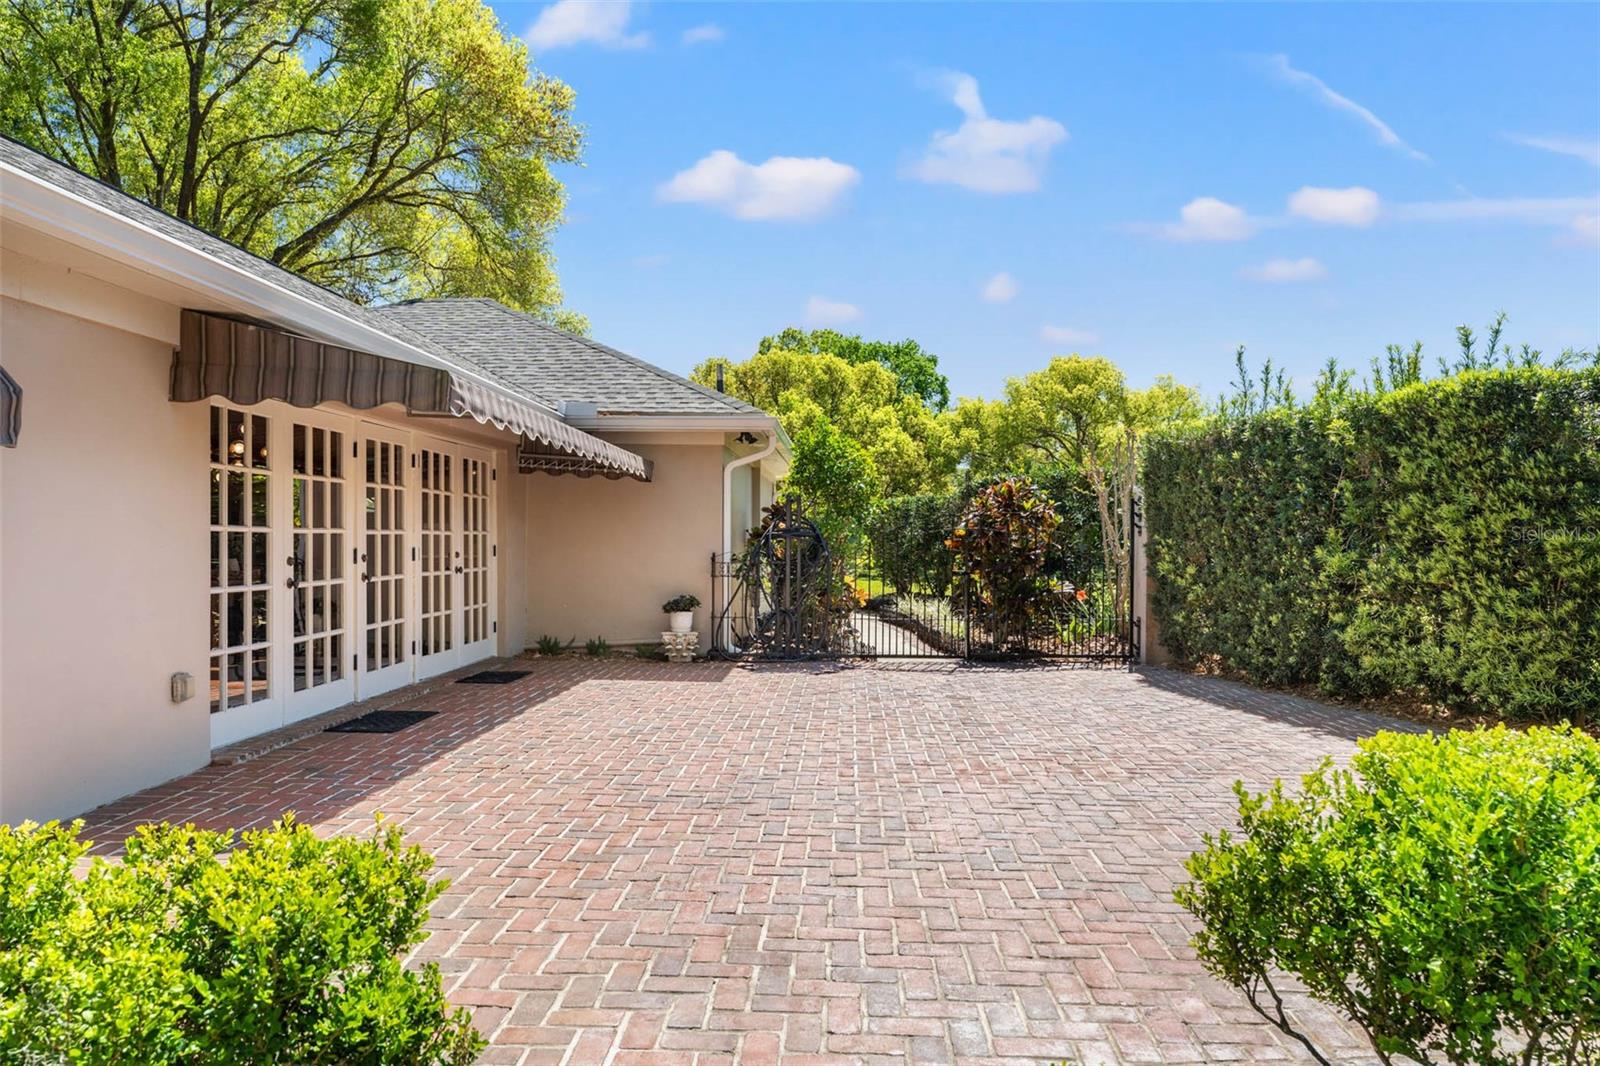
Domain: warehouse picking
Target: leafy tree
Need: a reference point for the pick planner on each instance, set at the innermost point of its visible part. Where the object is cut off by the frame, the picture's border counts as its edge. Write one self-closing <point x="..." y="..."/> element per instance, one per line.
<point x="982" y="436"/>
<point x="385" y="148"/>
<point x="834" y="474"/>
<point x="908" y="446"/>
<point x="917" y="371"/>
<point x="1078" y="412"/>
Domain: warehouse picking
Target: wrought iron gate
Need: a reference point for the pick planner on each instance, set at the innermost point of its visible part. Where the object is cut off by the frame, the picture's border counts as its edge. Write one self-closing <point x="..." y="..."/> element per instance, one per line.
<point x="791" y="595"/>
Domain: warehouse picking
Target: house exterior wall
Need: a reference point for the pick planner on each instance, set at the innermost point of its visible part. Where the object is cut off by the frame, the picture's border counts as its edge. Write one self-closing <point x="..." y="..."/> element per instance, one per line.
<point x="102" y="580"/>
<point x="104" y="549"/>
<point x="743" y="485"/>
<point x="602" y="555"/>
<point x="106" y="542"/>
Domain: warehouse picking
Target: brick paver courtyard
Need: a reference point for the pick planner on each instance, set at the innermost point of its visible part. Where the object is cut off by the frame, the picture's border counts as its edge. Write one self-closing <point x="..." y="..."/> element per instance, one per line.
<point x="934" y="863"/>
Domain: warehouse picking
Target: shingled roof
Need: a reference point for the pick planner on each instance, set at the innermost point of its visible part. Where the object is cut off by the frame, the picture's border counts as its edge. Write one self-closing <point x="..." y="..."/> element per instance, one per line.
<point x="487" y="396"/>
<point x="103" y="195"/>
<point x="557" y="366"/>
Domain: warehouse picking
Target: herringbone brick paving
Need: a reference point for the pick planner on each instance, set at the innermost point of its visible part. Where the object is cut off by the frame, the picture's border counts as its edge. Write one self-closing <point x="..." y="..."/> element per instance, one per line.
<point x="939" y="863"/>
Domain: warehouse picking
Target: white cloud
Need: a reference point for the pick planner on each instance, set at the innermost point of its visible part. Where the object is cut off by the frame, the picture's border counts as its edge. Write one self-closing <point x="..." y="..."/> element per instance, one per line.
<point x="1354" y="206"/>
<point x="571" y="22"/>
<point x="784" y="187"/>
<point x="1002" y="288"/>
<point x="1279" y="64"/>
<point x="821" y="312"/>
<point x="986" y="154"/>
<point x="1209" y="219"/>
<point x="1545" y="211"/>
<point x="710" y="33"/>
<point x="1584" y="148"/>
<point x="1066" y="335"/>
<point x="1586" y="229"/>
<point x="1280" y="271"/>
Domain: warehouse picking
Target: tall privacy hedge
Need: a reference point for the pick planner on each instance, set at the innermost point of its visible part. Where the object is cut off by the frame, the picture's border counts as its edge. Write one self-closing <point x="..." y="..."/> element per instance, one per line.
<point x="1441" y="540"/>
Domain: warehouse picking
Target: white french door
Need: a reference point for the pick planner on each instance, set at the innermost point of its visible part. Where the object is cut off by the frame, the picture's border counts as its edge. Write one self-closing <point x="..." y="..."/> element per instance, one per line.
<point x="347" y="558"/>
<point x="383" y="561"/>
<point x="245" y="697"/>
<point x="439" y="552"/>
<point x="320" y="559"/>
<point x="455" y="575"/>
<point x="478" y="553"/>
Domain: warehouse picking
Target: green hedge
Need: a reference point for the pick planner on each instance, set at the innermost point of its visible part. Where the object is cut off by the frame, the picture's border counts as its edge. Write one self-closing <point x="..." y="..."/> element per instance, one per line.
<point x="285" y="949"/>
<point x="1441" y="540"/>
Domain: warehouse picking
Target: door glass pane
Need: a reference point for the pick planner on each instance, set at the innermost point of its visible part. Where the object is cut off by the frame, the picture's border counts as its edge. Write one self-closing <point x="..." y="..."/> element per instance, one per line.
<point x="240" y="605"/>
<point x="383" y="563"/>
<point x="320" y="518"/>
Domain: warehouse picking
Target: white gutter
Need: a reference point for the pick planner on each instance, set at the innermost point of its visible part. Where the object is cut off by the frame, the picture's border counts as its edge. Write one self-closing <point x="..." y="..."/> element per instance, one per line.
<point x="64" y="214"/>
<point x="727" y="510"/>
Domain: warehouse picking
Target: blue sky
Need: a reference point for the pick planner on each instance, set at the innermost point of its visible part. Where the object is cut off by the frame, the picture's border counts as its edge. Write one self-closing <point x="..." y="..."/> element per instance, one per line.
<point x="1157" y="184"/>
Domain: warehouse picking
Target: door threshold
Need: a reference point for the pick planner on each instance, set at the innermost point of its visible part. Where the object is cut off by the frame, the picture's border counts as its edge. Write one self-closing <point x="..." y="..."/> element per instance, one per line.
<point x="262" y="743"/>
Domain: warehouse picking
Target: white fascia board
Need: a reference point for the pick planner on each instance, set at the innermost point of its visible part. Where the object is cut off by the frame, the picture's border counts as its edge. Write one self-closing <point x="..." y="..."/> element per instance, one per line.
<point x="729" y="423"/>
<point x="67" y="216"/>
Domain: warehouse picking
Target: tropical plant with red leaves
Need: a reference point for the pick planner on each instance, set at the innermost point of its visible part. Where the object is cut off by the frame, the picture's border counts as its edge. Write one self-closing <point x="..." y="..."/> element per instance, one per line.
<point x="1001" y="543"/>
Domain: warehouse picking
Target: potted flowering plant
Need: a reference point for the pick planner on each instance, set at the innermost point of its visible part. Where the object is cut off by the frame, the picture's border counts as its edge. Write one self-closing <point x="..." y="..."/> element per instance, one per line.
<point x="680" y="612"/>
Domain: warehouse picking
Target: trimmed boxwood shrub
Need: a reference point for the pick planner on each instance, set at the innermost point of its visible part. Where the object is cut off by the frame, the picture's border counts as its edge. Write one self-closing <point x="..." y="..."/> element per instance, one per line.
<point x="283" y="950"/>
<point x="1444" y="893"/>
<point x="1439" y="541"/>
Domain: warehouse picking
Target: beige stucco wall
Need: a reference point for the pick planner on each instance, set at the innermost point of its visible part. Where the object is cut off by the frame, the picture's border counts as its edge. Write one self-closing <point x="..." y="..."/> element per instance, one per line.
<point x="602" y="556"/>
<point x="102" y="582"/>
<point x="104" y="542"/>
<point x="103" y="556"/>
<point x="511" y="565"/>
<point x="1152" y="651"/>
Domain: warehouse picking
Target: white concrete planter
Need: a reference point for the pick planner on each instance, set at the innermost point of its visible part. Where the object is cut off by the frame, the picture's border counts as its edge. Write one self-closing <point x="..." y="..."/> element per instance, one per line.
<point x="681" y="621"/>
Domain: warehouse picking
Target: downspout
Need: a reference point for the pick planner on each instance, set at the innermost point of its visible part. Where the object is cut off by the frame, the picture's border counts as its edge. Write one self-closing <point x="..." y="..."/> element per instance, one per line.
<point x="727" y="514"/>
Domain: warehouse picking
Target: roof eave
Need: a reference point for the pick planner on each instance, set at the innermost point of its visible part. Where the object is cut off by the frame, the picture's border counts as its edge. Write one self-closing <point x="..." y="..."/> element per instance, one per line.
<point x="732" y="422"/>
<point x="57" y="212"/>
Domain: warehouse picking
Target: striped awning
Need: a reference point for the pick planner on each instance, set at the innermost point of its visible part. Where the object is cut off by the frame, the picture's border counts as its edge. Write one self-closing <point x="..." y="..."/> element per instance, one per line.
<point x="10" y="409"/>
<point x="248" y="362"/>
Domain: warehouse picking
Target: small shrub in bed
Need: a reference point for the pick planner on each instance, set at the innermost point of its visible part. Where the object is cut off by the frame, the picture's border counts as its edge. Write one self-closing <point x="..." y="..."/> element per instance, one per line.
<point x="1444" y="893"/>
<point x="284" y="950"/>
<point x="549" y="645"/>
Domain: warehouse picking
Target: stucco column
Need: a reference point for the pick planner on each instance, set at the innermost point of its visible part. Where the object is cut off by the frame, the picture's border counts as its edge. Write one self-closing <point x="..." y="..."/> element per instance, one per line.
<point x="1153" y="653"/>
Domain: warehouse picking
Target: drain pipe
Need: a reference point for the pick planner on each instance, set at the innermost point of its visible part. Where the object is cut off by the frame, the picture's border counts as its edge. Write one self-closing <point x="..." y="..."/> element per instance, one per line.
<point x="727" y="511"/>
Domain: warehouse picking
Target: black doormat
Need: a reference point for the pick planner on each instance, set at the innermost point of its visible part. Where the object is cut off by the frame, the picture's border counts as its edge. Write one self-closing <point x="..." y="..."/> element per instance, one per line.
<point x="381" y="722"/>
<point x="493" y="677"/>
